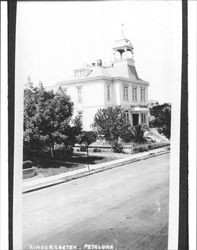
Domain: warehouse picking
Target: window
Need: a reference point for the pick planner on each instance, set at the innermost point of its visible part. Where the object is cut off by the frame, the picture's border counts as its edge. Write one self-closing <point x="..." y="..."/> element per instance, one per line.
<point x="125" y="93"/>
<point x="84" y="72"/>
<point x="79" y="91"/>
<point x="143" y="118"/>
<point x="134" y="94"/>
<point x="142" y="91"/>
<point x="108" y="92"/>
<point x="127" y="116"/>
<point x="65" y="90"/>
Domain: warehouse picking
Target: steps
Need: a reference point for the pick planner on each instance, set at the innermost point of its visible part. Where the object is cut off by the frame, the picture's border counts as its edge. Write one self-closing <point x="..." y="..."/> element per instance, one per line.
<point x="156" y="136"/>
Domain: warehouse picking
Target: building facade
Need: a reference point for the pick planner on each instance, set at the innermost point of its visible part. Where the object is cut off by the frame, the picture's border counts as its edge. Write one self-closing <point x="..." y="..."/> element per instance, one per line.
<point x="97" y="86"/>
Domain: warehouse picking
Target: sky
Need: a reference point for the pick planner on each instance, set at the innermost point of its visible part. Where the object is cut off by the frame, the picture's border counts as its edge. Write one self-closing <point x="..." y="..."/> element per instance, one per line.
<point x="53" y="38"/>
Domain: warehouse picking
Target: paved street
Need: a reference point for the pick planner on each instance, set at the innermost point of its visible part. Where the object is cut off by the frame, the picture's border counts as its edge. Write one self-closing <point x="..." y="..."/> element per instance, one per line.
<point x="126" y="207"/>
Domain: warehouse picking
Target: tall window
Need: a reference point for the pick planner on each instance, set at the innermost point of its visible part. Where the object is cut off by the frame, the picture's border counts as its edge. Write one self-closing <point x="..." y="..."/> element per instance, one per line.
<point x="108" y="92"/>
<point x="134" y="94"/>
<point x="142" y="91"/>
<point x="127" y="116"/>
<point x="79" y="92"/>
<point x="125" y="93"/>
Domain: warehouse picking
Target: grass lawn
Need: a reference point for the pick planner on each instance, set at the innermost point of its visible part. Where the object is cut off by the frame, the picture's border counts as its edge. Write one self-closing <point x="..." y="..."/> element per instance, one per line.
<point x="52" y="168"/>
<point x="77" y="161"/>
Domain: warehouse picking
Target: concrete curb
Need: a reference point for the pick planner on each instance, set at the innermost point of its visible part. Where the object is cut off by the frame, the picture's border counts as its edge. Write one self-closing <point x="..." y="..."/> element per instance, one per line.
<point x="45" y="182"/>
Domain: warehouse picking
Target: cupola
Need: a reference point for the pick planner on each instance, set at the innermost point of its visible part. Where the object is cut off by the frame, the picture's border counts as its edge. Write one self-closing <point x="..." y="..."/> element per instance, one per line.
<point x="123" y="46"/>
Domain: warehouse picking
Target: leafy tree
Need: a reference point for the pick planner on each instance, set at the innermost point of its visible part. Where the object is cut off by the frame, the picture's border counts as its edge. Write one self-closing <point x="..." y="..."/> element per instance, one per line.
<point x="47" y="119"/>
<point x="87" y="137"/>
<point x="162" y="118"/>
<point x="111" y="123"/>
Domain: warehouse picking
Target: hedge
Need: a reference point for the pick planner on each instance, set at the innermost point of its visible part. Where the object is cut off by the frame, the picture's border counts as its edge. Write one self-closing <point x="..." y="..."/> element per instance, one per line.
<point x="146" y="147"/>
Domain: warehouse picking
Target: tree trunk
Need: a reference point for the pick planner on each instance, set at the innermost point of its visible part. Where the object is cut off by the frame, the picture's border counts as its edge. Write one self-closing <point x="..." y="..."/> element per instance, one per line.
<point x="52" y="150"/>
<point x="87" y="152"/>
<point x="87" y="158"/>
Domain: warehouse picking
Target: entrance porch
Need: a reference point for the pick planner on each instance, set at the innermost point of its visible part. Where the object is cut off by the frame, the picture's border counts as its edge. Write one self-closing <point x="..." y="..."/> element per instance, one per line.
<point x="139" y="118"/>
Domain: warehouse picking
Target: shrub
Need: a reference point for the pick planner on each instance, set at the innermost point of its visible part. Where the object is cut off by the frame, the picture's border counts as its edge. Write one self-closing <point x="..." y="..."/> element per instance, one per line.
<point x="69" y="150"/>
<point x="143" y="148"/>
<point x="117" y="147"/>
<point x="146" y="147"/>
<point x="27" y="164"/>
<point x="96" y="150"/>
<point x="85" y="139"/>
<point x="140" y="148"/>
<point x="83" y="148"/>
<point x="138" y="133"/>
<point x="135" y="149"/>
<point x="162" y="118"/>
<point x="157" y="145"/>
<point x="127" y="135"/>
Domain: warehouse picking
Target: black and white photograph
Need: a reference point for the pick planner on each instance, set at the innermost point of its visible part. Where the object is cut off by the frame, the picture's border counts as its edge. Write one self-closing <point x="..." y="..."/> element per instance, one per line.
<point x="97" y="127"/>
<point x="97" y="80"/>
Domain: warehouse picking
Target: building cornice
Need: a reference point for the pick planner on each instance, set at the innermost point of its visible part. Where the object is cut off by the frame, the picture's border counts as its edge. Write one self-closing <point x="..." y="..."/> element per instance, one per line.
<point x="82" y="80"/>
<point x="108" y="78"/>
<point x="120" y="78"/>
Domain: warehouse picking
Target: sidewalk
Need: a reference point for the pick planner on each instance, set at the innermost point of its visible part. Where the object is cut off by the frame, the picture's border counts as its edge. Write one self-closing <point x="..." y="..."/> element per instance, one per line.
<point x="36" y="184"/>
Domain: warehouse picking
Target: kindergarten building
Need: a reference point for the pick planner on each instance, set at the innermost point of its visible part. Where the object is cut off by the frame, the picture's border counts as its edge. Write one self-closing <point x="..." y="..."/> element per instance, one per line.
<point x="97" y="86"/>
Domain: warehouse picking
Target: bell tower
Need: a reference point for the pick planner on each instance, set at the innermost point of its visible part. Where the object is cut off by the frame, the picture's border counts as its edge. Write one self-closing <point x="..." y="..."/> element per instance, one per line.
<point x="123" y="47"/>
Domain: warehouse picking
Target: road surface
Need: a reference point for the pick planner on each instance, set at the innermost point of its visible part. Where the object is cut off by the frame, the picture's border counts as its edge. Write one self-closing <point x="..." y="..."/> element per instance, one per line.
<point x="126" y="207"/>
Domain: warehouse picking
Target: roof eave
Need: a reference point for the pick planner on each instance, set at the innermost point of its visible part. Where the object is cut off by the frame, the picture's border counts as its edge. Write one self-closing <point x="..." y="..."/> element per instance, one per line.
<point x="130" y="80"/>
<point x="84" y="80"/>
<point x="89" y="79"/>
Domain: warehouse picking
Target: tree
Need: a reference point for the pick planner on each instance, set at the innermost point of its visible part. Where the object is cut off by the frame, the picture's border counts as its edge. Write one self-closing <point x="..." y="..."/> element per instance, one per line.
<point x="87" y="137"/>
<point x="162" y="118"/>
<point x="111" y="123"/>
<point x="48" y="119"/>
<point x="138" y="133"/>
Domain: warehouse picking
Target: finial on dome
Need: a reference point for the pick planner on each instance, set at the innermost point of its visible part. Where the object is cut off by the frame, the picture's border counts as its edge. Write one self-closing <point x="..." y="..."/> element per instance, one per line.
<point x="122" y="27"/>
<point x="122" y="32"/>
